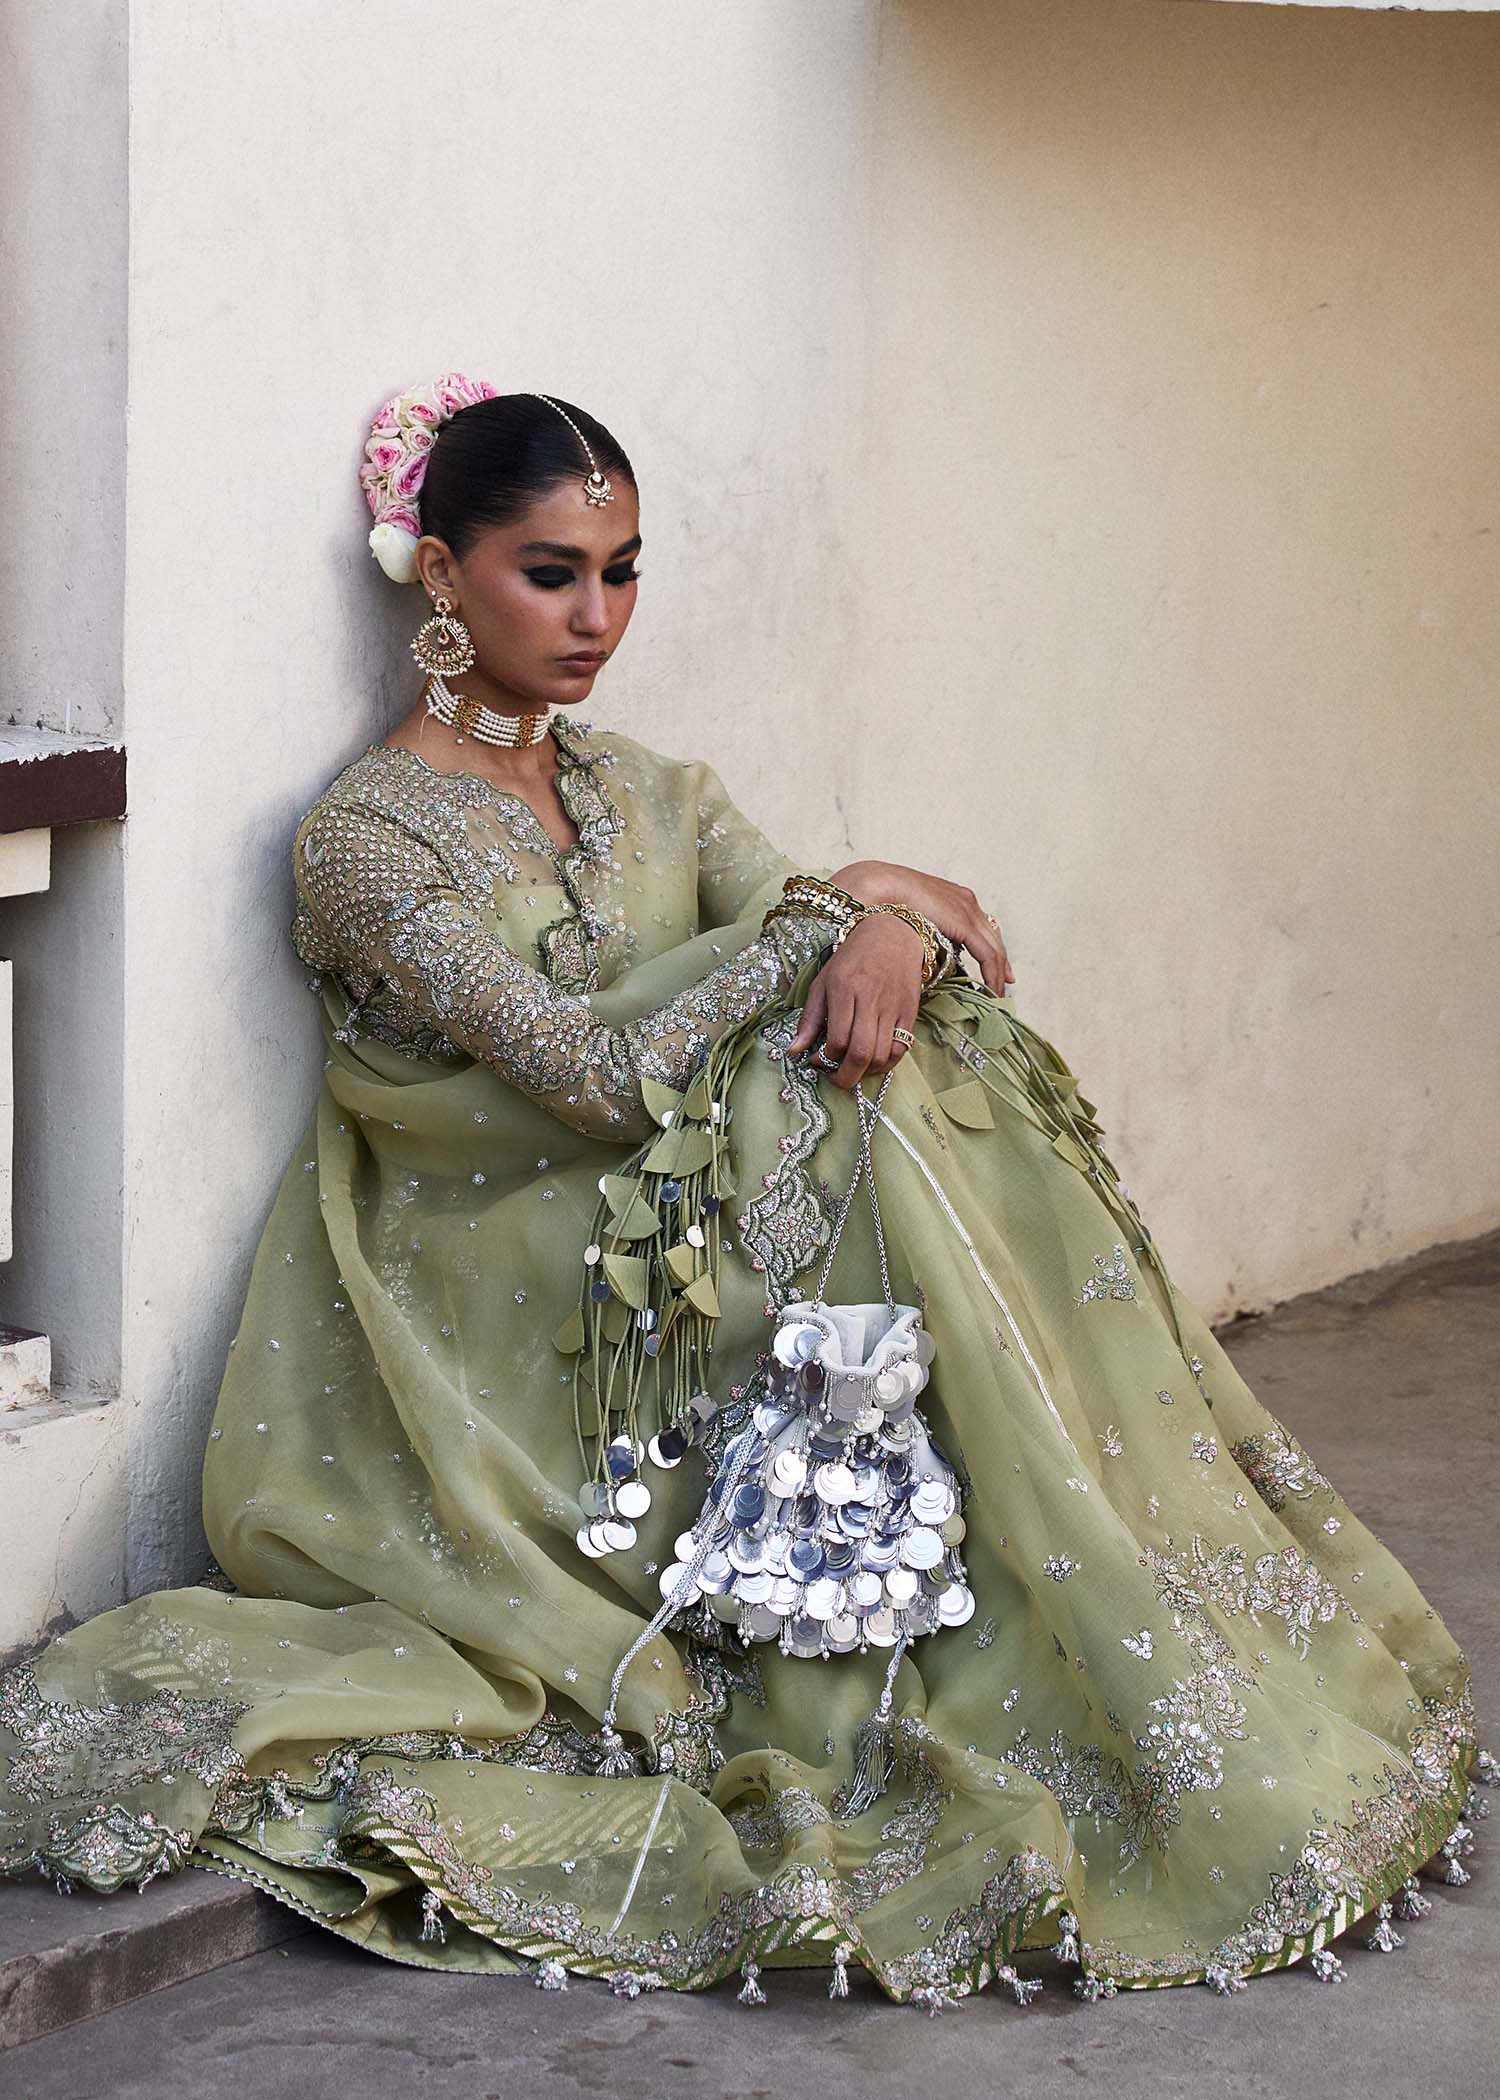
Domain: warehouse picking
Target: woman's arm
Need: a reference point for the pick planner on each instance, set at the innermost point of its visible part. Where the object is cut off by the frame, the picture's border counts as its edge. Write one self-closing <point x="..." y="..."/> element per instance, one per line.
<point x="738" y="866"/>
<point x="388" y="906"/>
<point x="871" y="986"/>
<point x="952" y="908"/>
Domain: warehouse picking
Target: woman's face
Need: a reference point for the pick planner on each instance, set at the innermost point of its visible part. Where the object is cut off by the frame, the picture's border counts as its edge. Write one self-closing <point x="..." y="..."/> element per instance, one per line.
<point x="547" y="598"/>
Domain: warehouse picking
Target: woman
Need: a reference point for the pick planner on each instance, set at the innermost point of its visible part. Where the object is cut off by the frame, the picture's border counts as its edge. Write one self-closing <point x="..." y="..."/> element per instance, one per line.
<point x="592" y="1101"/>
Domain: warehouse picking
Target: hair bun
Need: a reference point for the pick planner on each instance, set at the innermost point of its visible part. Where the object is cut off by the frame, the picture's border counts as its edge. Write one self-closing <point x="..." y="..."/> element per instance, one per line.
<point x="396" y="452"/>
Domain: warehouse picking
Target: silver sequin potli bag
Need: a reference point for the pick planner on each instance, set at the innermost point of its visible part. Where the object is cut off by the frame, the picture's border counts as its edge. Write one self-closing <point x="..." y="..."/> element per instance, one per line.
<point x="833" y="1522"/>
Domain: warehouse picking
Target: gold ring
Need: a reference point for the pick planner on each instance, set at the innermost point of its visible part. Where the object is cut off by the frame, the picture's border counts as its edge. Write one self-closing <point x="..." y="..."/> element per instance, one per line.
<point x="903" y="1035"/>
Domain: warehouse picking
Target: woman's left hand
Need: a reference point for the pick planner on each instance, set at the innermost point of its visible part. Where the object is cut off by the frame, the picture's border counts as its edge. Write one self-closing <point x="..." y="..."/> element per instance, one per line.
<point x="868" y="987"/>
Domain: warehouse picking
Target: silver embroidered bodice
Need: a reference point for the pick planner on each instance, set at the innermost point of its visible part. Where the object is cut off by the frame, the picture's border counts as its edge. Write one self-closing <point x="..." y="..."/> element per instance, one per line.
<point x="458" y="929"/>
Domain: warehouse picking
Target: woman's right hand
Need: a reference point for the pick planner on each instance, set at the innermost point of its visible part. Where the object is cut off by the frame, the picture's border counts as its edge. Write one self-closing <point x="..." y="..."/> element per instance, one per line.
<point x="869" y="986"/>
<point x="952" y="908"/>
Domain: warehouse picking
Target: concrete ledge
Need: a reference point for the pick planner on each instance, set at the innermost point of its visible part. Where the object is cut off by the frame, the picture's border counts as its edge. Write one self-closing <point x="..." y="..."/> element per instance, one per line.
<point x="25" y="1364"/>
<point x="63" y="1465"/>
<point x="67" y="1958"/>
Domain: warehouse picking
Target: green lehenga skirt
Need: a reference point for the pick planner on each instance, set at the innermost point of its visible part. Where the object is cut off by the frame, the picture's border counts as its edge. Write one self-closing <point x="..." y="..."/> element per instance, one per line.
<point x="1200" y="1722"/>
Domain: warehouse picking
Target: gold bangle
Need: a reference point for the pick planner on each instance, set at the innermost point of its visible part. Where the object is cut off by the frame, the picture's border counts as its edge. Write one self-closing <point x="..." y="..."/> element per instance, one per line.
<point x="819" y="907"/>
<point x="789" y="907"/>
<point x="804" y="886"/>
<point x="825" y="900"/>
<point x="924" y="927"/>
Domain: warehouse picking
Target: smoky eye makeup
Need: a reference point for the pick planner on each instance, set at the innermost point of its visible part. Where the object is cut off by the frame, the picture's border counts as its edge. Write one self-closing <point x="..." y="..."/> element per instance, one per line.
<point x="554" y="578"/>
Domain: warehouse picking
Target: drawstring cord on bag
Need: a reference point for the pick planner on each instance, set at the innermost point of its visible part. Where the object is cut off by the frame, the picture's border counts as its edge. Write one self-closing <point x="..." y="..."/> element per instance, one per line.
<point x="864" y="1169"/>
<point x="616" y="1760"/>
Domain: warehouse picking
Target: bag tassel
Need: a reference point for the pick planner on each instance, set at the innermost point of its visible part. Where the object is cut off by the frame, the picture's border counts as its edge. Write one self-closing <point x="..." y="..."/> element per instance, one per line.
<point x="617" y="1762"/>
<point x="874" y="1751"/>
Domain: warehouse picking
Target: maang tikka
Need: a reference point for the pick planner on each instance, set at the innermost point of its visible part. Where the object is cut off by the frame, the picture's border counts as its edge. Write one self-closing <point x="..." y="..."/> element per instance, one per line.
<point x="596" y="486"/>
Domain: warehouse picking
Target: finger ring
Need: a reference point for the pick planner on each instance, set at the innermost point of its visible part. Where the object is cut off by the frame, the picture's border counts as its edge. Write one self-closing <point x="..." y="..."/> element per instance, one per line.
<point x="903" y="1035"/>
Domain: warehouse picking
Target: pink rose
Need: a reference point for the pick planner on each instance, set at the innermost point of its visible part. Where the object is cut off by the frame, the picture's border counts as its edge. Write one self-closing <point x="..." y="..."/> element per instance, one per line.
<point x="406" y="482"/>
<point x="383" y="454"/>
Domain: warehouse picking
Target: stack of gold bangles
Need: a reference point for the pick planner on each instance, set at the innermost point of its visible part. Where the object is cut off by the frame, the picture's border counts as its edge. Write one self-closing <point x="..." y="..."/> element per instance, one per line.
<point x="810" y="893"/>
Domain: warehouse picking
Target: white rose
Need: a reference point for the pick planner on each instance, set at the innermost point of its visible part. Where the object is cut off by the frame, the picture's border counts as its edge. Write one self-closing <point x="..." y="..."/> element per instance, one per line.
<point x="394" y="548"/>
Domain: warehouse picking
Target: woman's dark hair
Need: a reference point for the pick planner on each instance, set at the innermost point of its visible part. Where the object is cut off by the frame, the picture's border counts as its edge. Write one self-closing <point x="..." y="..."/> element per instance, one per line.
<point x="492" y="460"/>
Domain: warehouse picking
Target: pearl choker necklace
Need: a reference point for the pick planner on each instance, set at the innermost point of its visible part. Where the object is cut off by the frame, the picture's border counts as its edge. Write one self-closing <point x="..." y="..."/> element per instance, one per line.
<point x="469" y="717"/>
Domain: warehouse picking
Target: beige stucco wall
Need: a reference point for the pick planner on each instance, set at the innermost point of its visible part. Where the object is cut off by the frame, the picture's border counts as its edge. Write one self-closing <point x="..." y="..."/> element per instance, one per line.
<point x="1065" y="434"/>
<point x="1179" y="592"/>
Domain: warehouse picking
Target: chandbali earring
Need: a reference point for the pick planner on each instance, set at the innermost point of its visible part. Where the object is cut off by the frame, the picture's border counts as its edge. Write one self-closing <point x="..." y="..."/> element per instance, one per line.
<point x="442" y="645"/>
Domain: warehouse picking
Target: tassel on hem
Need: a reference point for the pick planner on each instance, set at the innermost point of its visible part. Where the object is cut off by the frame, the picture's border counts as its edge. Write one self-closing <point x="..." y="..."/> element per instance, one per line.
<point x="838" y="1983"/>
<point x="629" y="1983"/>
<point x="1409" y="1902"/>
<point x="1090" y="1987"/>
<point x="1384" y="1939"/>
<point x="1067" y="1943"/>
<point x="1460" y="1839"/>
<point x="552" y="1976"/>
<point x="750" y="1992"/>
<point x="432" y="1924"/>
<point x="1025" y="1987"/>
<point x="1224" y="1981"/>
<point x="1327" y="1967"/>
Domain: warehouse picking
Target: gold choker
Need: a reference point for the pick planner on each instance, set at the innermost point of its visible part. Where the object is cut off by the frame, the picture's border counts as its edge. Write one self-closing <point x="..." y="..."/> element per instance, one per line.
<point x="485" y="724"/>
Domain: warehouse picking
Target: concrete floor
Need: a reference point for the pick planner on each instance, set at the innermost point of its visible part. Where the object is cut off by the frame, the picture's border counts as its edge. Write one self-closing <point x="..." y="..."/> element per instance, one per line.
<point x="1390" y="1380"/>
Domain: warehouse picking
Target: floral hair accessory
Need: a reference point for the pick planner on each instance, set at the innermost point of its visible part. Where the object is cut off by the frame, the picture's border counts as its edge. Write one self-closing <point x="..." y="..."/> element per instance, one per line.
<point x="401" y="437"/>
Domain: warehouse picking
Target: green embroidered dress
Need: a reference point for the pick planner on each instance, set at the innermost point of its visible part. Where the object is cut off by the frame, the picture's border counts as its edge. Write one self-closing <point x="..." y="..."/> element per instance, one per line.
<point x="1200" y="1721"/>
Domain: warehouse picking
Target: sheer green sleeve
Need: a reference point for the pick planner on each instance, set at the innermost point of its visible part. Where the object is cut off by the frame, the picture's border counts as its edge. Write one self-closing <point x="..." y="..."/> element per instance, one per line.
<point x="738" y="866"/>
<point x="379" y="906"/>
